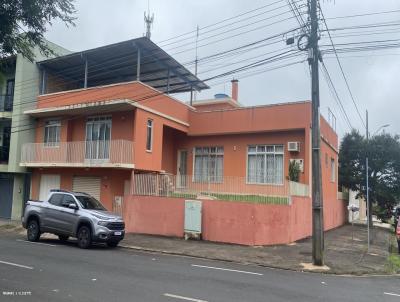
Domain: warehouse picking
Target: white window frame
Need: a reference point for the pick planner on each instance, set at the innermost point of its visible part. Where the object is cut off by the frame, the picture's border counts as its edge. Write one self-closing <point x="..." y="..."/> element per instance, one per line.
<point x="210" y="153"/>
<point x="265" y="153"/>
<point x="93" y="120"/>
<point x="49" y="124"/>
<point x="333" y="170"/>
<point x="151" y="126"/>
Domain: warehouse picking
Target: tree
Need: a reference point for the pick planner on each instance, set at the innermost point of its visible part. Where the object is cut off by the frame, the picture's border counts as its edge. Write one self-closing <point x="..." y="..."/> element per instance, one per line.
<point x="23" y="23"/>
<point x="384" y="167"/>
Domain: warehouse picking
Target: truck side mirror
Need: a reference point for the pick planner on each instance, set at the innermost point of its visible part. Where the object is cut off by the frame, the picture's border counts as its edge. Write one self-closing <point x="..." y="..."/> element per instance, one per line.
<point x="73" y="206"/>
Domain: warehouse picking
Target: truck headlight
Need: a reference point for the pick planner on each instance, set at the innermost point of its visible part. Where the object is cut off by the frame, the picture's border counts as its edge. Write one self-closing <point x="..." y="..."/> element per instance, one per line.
<point x="103" y="223"/>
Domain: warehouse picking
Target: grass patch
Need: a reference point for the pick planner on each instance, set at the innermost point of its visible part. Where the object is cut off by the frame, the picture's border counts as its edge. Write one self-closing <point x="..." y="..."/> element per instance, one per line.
<point x="7" y="226"/>
<point x="183" y="195"/>
<point x="258" y="199"/>
<point x="393" y="264"/>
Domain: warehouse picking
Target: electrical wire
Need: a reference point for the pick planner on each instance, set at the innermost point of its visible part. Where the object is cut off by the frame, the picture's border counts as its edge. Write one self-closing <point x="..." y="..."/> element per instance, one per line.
<point x="341" y="69"/>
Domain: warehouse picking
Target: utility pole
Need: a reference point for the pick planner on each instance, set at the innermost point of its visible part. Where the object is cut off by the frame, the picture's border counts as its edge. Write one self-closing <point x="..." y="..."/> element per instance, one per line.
<point x="317" y="202"/>
<point x="369" y="214"/>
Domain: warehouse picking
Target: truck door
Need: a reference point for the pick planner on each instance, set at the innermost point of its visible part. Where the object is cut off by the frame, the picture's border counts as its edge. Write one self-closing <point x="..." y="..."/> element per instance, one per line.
<point x="68" y="217"/>
<point x="51" y="212"/>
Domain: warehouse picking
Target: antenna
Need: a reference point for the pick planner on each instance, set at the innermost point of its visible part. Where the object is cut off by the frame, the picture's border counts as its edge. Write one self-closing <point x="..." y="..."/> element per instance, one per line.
<point x="148" y="20"/>
<point x="196" y="59"/>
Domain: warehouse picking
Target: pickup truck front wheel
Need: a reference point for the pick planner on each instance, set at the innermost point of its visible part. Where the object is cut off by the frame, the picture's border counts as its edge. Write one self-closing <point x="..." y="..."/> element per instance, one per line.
<point x="84" y="237"/>
<point x="33" y="230"/>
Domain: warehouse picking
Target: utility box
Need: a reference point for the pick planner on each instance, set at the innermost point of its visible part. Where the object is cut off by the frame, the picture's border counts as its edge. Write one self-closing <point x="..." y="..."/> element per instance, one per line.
<point x="193" y="209"/>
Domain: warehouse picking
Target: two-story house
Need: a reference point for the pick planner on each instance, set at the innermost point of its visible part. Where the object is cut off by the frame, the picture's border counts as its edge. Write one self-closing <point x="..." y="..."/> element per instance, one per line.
<point x="106" y="116"/>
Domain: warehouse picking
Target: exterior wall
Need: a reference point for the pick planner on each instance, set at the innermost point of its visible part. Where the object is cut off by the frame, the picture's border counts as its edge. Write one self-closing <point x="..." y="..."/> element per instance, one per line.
<point x="112" y="181"/>
<point x="235" y="149"/>
<point x="279" y="117"/>
<point x="225" y="221"/>
<point x="75" y="129"/>
<point x="151" y="160"/>
<point x="135" y="91"/>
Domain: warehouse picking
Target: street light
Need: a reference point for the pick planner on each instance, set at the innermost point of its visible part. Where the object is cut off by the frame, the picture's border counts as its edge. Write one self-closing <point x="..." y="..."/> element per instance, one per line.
<point x="380" y="128"/>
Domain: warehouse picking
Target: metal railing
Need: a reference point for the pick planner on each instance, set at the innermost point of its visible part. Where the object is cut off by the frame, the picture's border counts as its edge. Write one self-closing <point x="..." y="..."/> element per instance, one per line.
<point x="226" y="188"/>
<point x="6" y="102"/>
<point x="86" y="153"/>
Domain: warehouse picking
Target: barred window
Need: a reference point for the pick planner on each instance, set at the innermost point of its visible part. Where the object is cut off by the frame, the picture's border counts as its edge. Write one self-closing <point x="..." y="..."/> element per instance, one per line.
<point x="265" y="164"/>
<point x="208" y="164"/>
<point x="52" y="133"/>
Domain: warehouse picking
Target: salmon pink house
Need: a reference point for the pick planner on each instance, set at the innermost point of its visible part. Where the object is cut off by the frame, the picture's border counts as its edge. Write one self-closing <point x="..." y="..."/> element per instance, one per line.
<point x="108" y="124"/>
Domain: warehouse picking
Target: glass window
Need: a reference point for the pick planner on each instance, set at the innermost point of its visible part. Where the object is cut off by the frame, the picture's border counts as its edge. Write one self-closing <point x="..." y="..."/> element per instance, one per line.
<point x="333" y="170"/>
<point x="265" y="164"/>
<point x="208" y="164"/>
<point x="68" y="199"/>
<point x="98" y="135"/>
<point x="90" y="203"/>
<point x="149" y="138"/>
<point x="56" y="199"/>
<point x="52" y="133"/>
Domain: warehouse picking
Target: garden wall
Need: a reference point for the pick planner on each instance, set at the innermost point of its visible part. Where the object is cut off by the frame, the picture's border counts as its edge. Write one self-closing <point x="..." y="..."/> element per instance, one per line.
<point x="228" y="221"/>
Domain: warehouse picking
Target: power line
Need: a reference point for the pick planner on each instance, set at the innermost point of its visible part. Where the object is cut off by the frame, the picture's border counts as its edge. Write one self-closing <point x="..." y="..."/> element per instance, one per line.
<point x="341" y="68"/>
<point x="335" y="95"/>
<point x="222" y="21"/>
<point x="364" y="15"/>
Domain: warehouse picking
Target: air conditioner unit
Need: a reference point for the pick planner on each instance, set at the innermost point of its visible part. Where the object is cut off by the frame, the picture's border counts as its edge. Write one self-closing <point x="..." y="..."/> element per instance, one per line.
<point x="293" y="146"/>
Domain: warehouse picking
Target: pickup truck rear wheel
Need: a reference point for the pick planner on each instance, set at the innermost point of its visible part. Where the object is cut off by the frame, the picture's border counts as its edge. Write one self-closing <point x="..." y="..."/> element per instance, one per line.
<point x="33" y="230"/>
<point x="84" y="237"/>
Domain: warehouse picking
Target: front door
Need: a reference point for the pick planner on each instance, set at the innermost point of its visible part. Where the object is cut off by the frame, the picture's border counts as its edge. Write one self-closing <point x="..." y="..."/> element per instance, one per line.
<point x="6" y="189"/>
<point x="182" y="169"/>
<point x="98" y="134"/>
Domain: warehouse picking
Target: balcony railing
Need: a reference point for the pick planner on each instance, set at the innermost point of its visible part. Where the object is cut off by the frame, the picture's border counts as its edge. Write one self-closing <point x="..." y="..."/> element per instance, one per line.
<point x="230" y="188"/>
<point x="6" y="102"/>
<point x="114" y="153"/>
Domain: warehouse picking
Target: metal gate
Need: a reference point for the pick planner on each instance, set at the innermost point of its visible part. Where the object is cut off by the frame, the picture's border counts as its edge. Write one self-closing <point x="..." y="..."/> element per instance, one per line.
<point x="6" y="196"/>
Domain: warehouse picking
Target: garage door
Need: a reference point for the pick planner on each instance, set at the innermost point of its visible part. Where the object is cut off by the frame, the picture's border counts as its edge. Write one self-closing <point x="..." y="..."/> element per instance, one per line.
<point x="89" y="185"/>
<point x="47" y="183"/>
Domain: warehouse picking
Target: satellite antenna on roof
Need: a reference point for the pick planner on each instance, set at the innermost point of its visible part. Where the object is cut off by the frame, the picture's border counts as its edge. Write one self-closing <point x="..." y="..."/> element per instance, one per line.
<point x="148" y="20"/>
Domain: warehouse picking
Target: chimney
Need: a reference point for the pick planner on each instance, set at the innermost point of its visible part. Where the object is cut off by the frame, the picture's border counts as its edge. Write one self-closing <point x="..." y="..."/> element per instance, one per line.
<point x="235" y="89"/>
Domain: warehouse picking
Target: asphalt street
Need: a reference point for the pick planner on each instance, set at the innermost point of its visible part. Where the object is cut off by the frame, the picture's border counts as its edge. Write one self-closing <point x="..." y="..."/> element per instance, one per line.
<point x="55" y="271"/>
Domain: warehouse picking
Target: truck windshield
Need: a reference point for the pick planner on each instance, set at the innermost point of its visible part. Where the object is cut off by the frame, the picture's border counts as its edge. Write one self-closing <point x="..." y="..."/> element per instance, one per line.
<point x="90" y="203"/>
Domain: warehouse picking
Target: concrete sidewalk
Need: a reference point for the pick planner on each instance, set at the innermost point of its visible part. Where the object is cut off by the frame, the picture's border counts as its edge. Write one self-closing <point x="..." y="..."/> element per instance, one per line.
<point x="342" y="254"/>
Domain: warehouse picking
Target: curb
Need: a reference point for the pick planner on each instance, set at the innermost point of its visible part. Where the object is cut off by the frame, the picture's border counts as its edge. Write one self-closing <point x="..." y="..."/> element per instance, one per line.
<point x="328" y="273"/>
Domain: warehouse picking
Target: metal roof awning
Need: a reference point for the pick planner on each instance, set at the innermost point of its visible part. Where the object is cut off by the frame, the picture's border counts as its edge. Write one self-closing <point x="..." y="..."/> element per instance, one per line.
<point x="136" y="59"/>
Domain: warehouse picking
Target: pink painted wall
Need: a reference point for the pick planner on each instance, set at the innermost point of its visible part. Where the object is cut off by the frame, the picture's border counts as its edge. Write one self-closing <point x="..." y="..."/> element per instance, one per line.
<point x="154" y="215"/>
<point x="229" y="222"/>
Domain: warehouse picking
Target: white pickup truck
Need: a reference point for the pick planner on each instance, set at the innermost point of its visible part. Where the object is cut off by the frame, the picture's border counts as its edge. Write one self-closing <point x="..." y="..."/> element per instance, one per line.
<point x="73" y="214"/>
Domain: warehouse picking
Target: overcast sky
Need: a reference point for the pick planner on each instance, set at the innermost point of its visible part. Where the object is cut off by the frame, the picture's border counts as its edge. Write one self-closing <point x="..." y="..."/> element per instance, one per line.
<point x="372" y="76"/>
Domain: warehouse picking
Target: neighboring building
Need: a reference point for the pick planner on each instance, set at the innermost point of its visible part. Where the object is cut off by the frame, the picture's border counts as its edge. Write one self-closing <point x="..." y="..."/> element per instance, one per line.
<point x="19" y="88"/>
<point x="105" y="118"/>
